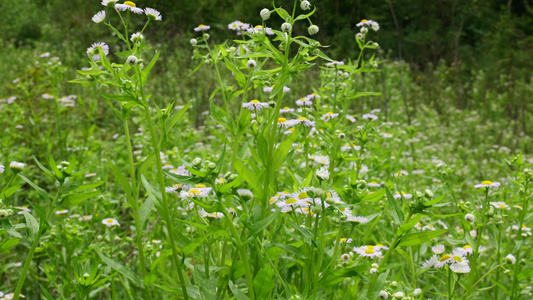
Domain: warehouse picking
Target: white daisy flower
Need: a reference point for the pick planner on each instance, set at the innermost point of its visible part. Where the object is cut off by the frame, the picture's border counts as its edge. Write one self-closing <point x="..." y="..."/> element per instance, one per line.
<point x="129" y="6"/>
<point x="500" y="205"/>
<point x="286" y="89"/>
<point x="345" y="257"/>
<point x="461" y="268"/>
<point x="304" y="102"/>
<point x="312" y="96"/>
<point x="268" y="89"/>
<point x="136" y="37"/>
<point x="430" y="262"/>
<point x="153" y="14"/>
<point x="199" y="191"/>
<point x="335" y="63"/>
<point x="99" y="17"/>
<point x="370" y="117"/>
<point x="251" y="64"/>
<point x="350" y="147"/>
<point x="374" y="184"/>
<point x="238" y="26"/>
<point x="96" y="54"/>
<point x="86" y="218"/>
<point x="47" y="96"/>
<point x="110" y="222"/>
<point x="439" y="249"/>
<point x="2" y="169"/>
<point x="366" y="251"/>
<point x="202" y="27"/>
<point x="255" y="105"/>
<point x="109" y="3"/>
<point x="330" y="115"/>
<point x="322" y="174"/>
<point x="305" y="122"/>
<point x="62" y="211"/>
<point x="15" y="165"/>
<point x="385" y="135"/>
<point x="214" y="215"/>
<point x="321" y="159"/>
<point x="344" y="241"/>
<point x="487" y="184"/>
<point x="286" y="109"/>
<point x="245" y="194"/>
<point x="356" y="219"/>
<point x="351" y="118"/>
<point x="510" y="259"/>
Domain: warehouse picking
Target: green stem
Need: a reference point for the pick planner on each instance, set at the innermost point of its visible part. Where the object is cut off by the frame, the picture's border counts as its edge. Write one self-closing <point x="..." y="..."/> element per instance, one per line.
<point x="34" y="245"/>
<point x="166" y="208"/>
<point x="135" y="195"/>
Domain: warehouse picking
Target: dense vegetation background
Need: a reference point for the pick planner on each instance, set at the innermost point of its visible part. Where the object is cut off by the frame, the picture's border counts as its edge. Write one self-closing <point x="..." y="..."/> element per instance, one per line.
<point x="473" y="48"/>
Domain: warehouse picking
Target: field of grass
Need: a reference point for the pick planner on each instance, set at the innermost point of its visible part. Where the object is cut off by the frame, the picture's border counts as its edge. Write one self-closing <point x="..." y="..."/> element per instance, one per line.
<point x="258" y="168"/>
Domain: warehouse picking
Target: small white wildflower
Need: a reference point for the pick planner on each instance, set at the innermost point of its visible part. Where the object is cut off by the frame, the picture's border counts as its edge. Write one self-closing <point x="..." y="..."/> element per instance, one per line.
<point x="202" y="27"/>
<point x="110" y="222"/>
<point x="136" y="37"/>
<point x="15" y="165"/>
<point x="305" y="5"/>
<point x="129" y="6"/>
<point x="99" y="17"/>
<point x="439" y="249"/>
<point x="109" y="2"/>
<point x="313" y="29"/>
<point x="251" y="64"/>
<point x="153" y="14"/>
<point x="286" y="27"/>
<point x="193" y="42"/>
<point x="487" y="184"/>
<point x="322" y="174"/>
<point x="510" y="259"/>
<point x="417" y="292"/>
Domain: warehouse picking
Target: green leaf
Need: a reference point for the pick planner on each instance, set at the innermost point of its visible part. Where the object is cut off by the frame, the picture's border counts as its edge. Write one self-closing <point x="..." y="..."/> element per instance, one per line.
<point x="261" y="225"/>
<point x="121" y="269"/>
<point x="394" y="207"/>
<point x="169" y="123"/>
<point x="407" y="226"/>
<point x="9" y="229"/>
<point x="32" y="226"/>
<point x="420" y="237"/>
<point x="302" y="17"/>
<point x="10" y="191"/>
<point x="264" y="282"/>
<point x="283" y="150"/>
<point x="239" y="295"/>
<point x="376" y="196"/>
<point x="39" y="190"/>
<point x="45" y="292"/>
<point x="249" y="176"/>
<point x="75" y="199"/>
<point x="93" y="72"/>
<point x="434" y="201"/>
<point x="145" y="211"/>
<point x="123" y="181"/>
<point x="151" y="190"/>
<point x="291" y="249"/>
<point x="149" y="67"/>
<point x="5" y="245"/>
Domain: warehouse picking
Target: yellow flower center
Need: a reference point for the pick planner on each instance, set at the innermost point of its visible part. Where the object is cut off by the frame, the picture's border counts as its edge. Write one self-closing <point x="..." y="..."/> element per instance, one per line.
<point x="370" y="251"/>
<point x="271" y="200"/>
<point x="177" y="185"/>
<point x="109" y="221"/>
<point x="314" y="94"/>
<point x="342" y="240"/>
<point x="290" y="201"/>
<point x="503" y="205"/>
<point x="282" y="120"/>
<point x="363" y="20"/>
<point x="291" y="129"/>
<point x="130" y="3"/>
<point x="201" y="25"/>
<point x="302" y="195"/>
<point x="255" y="101"/>
<point x="302" y="118"/>
<point x="467" y="247"/>
<point x="330" y="113"/>
<point x="259" y="27"/>
<point x="380" y="245"/>
<point x="486" y="182"/>
<point x="200" y="186"/>
<point x="286" y="107"/>
<point x="370" y="247"/>
<point x="457" y="258"/>
<point x="445" y="257"/>
<point x="194" y="192"/>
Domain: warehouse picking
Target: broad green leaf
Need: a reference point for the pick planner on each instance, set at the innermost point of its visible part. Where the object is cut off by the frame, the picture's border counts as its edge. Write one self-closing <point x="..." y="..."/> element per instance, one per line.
<point x="239" y="295"/>
<point x="434" y="201"/>
<point x="93" y="72"/>
<point x="121" y="269"/>
<point x="151" y="190"/>
<point x="145" y="211"/>
<point x="32" y="226"/>
<point x="5" y="245"/>
<point x="39" y="190"/>
<point x="248" y="176"/>
<point x="417" y="238"/>
<point x="146" y="70"/>
<point x="261" y="225"/>
<point x="394" y="207"/>
<point x="122" y="180"/>
<point x="283" y="150"/>
<point x="291" y="249"/>
<point x="9" y="229"/>
<point x="407" y="226"/>
<point x="10" y="191"/>
<point x="75" y="199"/>
<point x="376" y="196"/>
<point x="169" y="123"/>
<point x="264" y="283"/>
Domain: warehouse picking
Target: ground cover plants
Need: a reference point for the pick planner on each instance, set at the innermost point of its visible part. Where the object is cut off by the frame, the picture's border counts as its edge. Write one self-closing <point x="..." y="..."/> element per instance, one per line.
<point x="297" y="182"/>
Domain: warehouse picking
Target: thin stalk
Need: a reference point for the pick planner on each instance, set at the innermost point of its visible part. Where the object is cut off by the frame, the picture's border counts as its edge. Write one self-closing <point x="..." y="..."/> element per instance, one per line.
<point x="166" y="208"/>
<point x="135" y="195"/>
<point x="34" y="245"/>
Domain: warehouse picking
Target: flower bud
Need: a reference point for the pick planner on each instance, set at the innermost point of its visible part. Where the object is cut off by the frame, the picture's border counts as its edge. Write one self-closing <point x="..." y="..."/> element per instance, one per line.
<point x="470" y="218"/>
<point x="313" y="29"/>
<point x="417" y="292"/>
<point x="193" y="42"/>
<point x="428" y="193"/>
<point x="383" y="295"/>
<point x="196" y="162"/>
<point x="265" y="14"/>
<point x="251" y="64"/>
<point x="305" y="5"/>
<point x="211" y="165"/>
<point x="286" y="27"/>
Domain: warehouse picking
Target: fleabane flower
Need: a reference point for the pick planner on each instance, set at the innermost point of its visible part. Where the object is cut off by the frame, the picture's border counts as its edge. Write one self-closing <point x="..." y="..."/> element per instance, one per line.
<point x="487" y="184"/>
<point x="370" y="117"/>
<point x="402" y="195"/>
<point x="255" y="105"/>
<point x="367" y="251"/>
<point x="110" y="222"/>
<point x="328" y="116"/>
<point x="202" y="27"/>
<point x="510" y="259"/>
<point x="439" y="249"/>
<point x="356" y="219"/>
<point x="109" y="3"/>
<point x="305" y="5"/>
<point x="460" y="268"/>
<point x="282" y="122"/>
<point x="129" y="6"/>
<point x="99" y="17"/>
<point x="322" y="174"/>
<point x="245" y="194"/>
<point x="153" y="14"/>
<point x="94" y="50"/>
<point x="136" y="37"/>
<point x="16" y="166"/>
<point x="238" y="26"/>
<point x="304" y="121"/>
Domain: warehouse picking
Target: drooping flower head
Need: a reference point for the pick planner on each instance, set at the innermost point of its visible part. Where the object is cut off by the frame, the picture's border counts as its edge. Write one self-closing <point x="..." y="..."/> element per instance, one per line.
<point x="153" y="14"/>
<point x="129" y="6"/>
